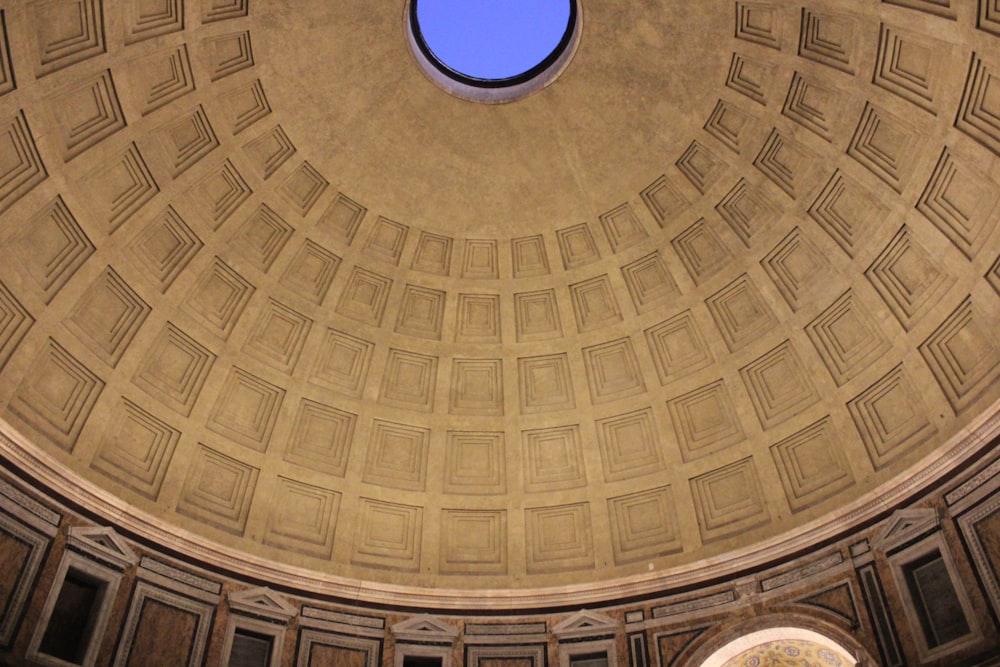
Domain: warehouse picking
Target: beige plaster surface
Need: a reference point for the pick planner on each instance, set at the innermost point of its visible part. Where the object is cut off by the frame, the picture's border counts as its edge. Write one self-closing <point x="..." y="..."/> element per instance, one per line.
<point x="641" y="325"/>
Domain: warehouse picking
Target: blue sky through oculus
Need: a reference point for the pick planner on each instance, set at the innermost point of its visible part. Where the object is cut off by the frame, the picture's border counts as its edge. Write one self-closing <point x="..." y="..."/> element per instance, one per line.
<point x="492" y="39"/>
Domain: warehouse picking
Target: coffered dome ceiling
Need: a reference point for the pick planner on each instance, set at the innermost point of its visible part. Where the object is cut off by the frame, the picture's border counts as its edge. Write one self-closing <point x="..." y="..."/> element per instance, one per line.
<point x="271" y="297"/>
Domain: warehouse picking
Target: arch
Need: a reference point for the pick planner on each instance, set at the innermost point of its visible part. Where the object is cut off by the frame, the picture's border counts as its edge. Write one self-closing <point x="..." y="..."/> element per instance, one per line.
<point x="781" y="631"/>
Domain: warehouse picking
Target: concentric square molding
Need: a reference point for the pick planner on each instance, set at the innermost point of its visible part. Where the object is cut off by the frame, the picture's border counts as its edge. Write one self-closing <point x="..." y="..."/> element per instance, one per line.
<point x="747" y="210"/>
<point x="847" y="338"/>
<point x="136" y="449"/>
<point x="364" y="296"/>
<point x="890" y="417"/>
<point x="847" y="212"/>
<point x="478" y="318"/>
<point x="160" y="78"/>
<point x="480" y="259"/>
<point x="218" y="195"/>
<point x="475" y="463"/>
<point x="960" y="203"/>
<point x="829" y="39"/>
<point x="553" y="459"/>
<point x="53" y="247"/>
<point x="228" y="54"/>
<point x="558" y="539"/>
<point x="644" y="525"/>
<point x="741" y="314"/>
<point x="545" y="384"/>
<point x="397" y="456"/>
<point x="978" y="112"/>
<point x="577" y="246"/>
<point x="815" y="106"/>
<point x="613" y="371"/>
<point x="728" y="124"/>
<point x="798" y="269"/>
<point x="174" y="369"/>
<point x="57" y="395"/>
<point x="729" y="501"/>
<point x="166" y="245"/>
<point x="144" y="21"/>
<point x="787" y="163"/>
<point x="536" y="315"/>
<point x="885" y="145"/>
<point x="700" y="166"/>
<point x="245" y="105"/>
<point x="246" y="409"/>
<point x="760" y="23"/>
<point x="87" y="114"/>
<point x="311" y="271"/>
<point x="269" y="151"/>
<point x="262" y="237"/>
<point x="120" y="187"/>
<point x="910" y="66"/>
<point x="476" y="387"/>
<point x="630" y="445"/>
<point x="303" y="187"/>
<point x="812" y="465"/>
<point x="409" y="380"/>
<point x="66" y="33"/>
<point x="678" y="347"/>
<point x="15" y="321"/>
<point x="302" y="518"/>
<point x="963" y="354"/>
<point x="750" y="77"/>
<point x="433" y="254"/>
<point x="108" y="316"/>
<point x="421" y="312"/>
<point x="529" y="257"/>
<point x="663" y="200"/>
<point x="908" y="278"/>
<point x="321" y="438"/>
<point x="342" y="218"/>
<point x="779" y="386"/>
<point x="386" y="240"/>
<point x="342" y="363"/>
<point x="388" y="535"/>
<point x="278" y="336"/>
<point x="218" y="490"/>
<point x="185" y="140"/>
<point x="649" y="281"/>
<point x="701" y="251"/>
<point x="473" y="541"/>
<point x="219" y="298"/>
<point x="622" y="228"/>
<point x="705" y="421"/>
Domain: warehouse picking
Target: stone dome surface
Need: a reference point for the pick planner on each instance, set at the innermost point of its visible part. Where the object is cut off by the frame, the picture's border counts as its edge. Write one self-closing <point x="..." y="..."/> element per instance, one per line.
<point x="727" y="287"/>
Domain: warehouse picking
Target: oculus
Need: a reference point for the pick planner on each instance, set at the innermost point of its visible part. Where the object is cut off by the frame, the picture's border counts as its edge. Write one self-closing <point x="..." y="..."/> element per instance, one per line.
<point x="493" y="50"/>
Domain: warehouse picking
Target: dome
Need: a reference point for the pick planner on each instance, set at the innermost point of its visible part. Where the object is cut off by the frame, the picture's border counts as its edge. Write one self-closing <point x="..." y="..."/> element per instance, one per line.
<point x="723" y="289"/>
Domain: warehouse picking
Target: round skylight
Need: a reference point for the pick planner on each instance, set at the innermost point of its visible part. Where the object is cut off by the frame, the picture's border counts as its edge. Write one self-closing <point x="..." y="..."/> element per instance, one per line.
<point x="493" y="50"/>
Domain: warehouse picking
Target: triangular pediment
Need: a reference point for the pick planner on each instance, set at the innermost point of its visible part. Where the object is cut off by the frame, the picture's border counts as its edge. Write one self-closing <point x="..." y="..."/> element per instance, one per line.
<point x="262" y="601"/>
<point x="104" y="544"/>
<point x="585" y="624"/>
<point x="904" y="525"/>
<point x="424" y="628"/>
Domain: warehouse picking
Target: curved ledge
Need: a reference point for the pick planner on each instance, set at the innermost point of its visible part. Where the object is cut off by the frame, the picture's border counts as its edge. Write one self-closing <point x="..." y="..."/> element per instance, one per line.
<point x="49" y="472"/>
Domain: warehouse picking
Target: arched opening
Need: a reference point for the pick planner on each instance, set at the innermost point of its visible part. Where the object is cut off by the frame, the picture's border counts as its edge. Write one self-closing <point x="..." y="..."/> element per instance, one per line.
<point x="792" y="645"/>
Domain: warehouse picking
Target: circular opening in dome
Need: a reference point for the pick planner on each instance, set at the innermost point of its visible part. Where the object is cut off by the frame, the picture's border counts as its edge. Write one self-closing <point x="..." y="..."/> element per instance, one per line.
<point x="493" y="50"/>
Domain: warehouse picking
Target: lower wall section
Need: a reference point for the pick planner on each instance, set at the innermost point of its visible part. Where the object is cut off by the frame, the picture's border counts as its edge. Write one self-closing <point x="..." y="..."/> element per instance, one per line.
<point x="920" y="587"/>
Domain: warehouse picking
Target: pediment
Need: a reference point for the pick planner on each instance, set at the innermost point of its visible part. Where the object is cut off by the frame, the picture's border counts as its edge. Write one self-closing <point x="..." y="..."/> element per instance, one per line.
<point x="262" y="601"/>
<point x="585" y="624"/>
<point x="904" y="525"/>
<point x="103" y="544"/>
<point x="424" y="628"/>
